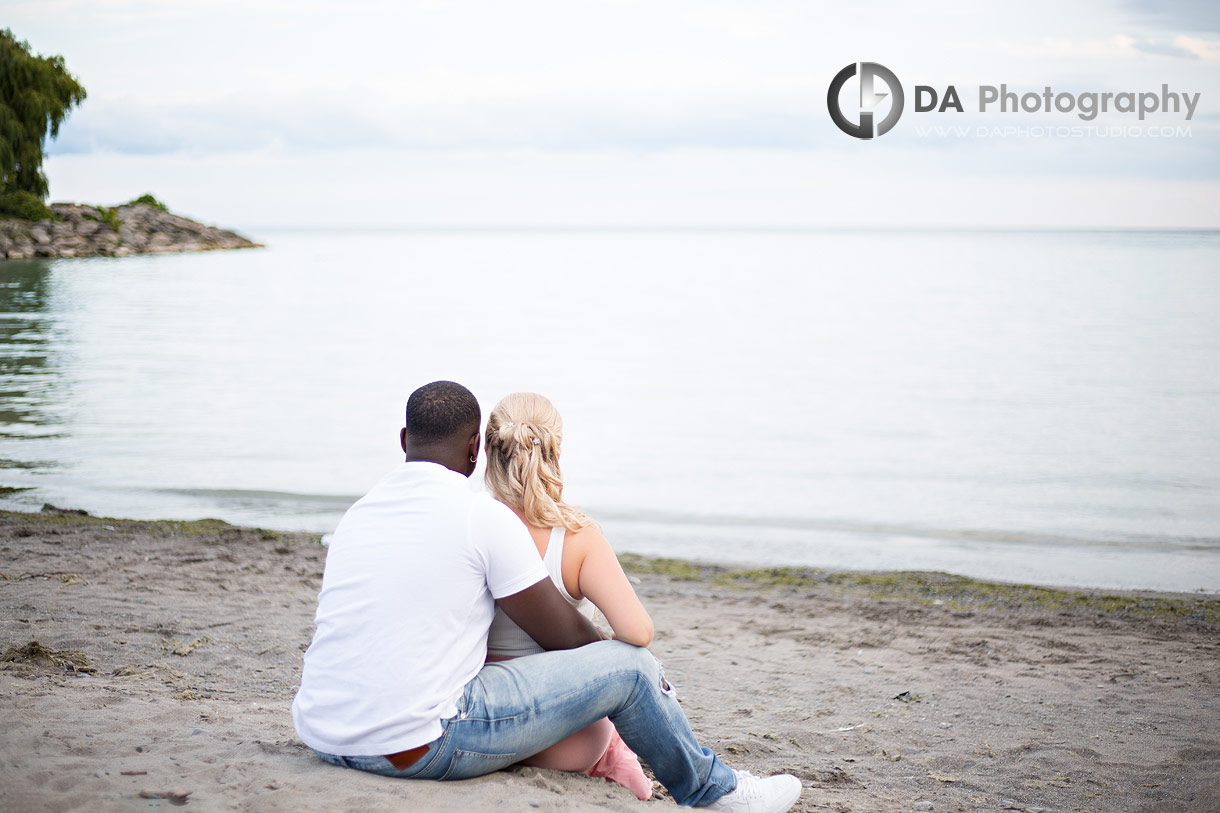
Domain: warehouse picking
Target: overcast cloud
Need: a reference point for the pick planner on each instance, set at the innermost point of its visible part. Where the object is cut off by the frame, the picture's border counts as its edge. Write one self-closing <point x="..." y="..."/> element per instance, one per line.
<point x="617" y="112"/>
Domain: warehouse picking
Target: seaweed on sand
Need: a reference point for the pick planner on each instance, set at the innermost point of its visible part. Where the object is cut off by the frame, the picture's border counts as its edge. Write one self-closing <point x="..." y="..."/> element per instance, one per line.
<point x="35" y="654"/>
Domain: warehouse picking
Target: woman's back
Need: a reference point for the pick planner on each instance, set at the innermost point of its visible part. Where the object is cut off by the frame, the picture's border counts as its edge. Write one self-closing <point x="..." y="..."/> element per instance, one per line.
<point x="523" y="445"/>
<point x="523" y="438"/>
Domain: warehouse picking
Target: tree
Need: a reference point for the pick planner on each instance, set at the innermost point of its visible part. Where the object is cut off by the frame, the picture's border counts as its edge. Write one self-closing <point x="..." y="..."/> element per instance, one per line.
<point x="36" y="93"/>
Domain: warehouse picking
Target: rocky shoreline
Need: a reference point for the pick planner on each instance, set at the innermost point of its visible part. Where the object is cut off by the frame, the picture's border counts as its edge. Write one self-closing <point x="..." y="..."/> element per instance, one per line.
<point x="81" y="230"/>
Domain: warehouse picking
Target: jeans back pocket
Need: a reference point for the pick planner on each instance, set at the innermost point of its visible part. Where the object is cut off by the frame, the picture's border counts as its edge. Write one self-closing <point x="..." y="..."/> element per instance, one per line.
<point x="468" y="764"/>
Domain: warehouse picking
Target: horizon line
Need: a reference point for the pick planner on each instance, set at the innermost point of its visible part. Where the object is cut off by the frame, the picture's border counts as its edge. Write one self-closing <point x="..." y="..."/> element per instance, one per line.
<point x="741" y="228"/>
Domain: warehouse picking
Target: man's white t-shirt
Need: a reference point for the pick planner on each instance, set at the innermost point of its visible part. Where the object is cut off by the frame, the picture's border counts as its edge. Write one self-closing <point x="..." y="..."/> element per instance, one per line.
<point x="408" y="594"/>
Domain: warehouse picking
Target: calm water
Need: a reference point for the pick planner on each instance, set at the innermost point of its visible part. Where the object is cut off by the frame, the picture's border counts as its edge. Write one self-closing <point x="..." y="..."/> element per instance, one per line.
<point x="1026" y="406"/>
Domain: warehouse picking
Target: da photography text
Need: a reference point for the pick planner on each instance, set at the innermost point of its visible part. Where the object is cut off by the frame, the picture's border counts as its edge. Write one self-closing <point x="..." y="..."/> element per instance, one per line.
<point x="854" y="113"/>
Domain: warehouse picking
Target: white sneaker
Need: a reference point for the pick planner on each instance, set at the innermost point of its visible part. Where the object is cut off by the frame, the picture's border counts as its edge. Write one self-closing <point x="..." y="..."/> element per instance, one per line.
<point x="756" y="794"/>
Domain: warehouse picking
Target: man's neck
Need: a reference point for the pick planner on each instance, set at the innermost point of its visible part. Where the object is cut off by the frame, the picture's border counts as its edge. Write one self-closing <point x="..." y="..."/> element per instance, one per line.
<point x="431" y="456"/>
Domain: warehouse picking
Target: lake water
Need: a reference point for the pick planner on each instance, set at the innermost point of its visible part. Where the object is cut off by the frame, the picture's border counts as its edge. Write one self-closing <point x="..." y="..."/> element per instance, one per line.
<point x="1040" y="407"/>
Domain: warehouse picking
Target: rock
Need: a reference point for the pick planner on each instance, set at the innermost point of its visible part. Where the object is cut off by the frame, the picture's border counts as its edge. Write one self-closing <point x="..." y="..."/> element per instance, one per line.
<point x="174" y="797"/>
<point x="88" y="231"/>
<point x="130" y="236"/>
<point x="923" y="805"/>
<point x="47" y="508"/>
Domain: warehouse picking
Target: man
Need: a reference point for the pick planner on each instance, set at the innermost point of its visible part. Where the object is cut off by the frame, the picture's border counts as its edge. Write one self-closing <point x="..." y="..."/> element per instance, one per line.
<point x="394" y="682"/>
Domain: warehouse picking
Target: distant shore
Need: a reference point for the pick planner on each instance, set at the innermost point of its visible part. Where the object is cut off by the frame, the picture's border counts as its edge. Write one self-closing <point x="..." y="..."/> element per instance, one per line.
<point x="140" y="659"/>
<point x="81" y="230"/>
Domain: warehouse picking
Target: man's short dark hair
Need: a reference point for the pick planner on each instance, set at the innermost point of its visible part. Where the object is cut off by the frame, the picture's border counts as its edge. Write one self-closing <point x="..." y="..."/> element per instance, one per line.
<point x="441" y="410"/>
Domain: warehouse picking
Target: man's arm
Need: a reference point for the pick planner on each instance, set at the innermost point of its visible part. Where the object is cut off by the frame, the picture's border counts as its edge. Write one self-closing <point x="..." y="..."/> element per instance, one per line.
<point x="548" y="618"/>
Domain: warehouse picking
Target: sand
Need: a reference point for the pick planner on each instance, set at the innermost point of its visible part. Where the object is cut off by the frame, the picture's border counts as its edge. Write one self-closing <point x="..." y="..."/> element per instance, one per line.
<point x="882" y="692"/>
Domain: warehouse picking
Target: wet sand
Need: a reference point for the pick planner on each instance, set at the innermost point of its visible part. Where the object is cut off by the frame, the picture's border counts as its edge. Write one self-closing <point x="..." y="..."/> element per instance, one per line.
<point x="881" y="691"/>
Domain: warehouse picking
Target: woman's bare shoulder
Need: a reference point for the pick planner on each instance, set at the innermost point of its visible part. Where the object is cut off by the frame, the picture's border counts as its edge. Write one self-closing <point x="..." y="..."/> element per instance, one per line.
<point x="587" y="545"/>
<point x="586" y="538"/>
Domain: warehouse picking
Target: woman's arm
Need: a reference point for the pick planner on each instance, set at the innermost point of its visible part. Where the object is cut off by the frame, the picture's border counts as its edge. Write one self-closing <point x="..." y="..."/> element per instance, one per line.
<point x="603" y="582"/>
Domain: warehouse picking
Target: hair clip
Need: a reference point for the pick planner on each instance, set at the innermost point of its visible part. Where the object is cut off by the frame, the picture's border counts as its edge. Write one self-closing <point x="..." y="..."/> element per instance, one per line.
<point x="537" y="442"/>
<point x="509" y="425"/>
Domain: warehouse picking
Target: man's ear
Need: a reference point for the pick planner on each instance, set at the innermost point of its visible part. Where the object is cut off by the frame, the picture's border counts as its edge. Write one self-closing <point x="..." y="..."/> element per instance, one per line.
<point x="472" y="454"/>
<point x="402" y="439"/>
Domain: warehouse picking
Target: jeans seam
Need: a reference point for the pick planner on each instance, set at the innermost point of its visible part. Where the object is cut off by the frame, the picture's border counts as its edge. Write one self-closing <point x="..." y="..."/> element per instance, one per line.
<point x="536" y="708"/>
<point x="440" y="749"/>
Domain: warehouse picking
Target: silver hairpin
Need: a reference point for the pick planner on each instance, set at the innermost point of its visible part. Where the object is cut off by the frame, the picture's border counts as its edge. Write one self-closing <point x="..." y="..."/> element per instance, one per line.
<point x="509" y="425"/>
<point x="537" y="442"/>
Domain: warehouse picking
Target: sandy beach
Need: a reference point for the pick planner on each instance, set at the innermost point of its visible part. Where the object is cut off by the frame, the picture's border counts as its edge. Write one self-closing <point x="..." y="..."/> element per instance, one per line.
<point x="168" y="653"/>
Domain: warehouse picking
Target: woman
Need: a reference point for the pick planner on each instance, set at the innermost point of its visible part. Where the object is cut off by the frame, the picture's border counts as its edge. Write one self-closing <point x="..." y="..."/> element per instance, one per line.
<point x="524" y="433"/>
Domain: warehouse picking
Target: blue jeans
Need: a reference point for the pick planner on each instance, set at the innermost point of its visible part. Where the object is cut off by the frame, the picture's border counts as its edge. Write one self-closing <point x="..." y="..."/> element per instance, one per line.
<point x="514" y="709"/>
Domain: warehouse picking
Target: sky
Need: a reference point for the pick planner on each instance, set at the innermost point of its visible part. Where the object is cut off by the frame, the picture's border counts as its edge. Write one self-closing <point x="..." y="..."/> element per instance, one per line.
<point x="266" y="113"/>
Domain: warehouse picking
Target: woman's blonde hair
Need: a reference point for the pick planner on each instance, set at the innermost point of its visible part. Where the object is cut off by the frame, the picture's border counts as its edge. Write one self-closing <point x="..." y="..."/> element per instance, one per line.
<point x="524" y="432"/>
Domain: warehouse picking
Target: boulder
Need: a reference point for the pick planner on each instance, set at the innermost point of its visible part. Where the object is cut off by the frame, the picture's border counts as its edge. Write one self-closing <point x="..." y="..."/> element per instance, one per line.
<point x="79" y="230"/>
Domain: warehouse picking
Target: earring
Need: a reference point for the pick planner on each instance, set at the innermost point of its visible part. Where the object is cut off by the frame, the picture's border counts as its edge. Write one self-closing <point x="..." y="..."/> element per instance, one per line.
<point x="474" y="459"/>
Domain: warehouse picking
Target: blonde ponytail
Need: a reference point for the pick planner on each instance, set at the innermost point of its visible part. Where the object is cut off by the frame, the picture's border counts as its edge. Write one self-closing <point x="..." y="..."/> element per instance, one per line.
<point x="524" y="433"/>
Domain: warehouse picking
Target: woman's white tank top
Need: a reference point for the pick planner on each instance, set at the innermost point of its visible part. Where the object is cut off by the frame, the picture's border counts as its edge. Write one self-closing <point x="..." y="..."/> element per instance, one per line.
<point x="505" y="638"/>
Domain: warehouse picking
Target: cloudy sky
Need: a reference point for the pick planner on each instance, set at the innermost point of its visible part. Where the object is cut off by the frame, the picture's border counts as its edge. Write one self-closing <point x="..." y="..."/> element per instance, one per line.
<point x="259" y="113"/>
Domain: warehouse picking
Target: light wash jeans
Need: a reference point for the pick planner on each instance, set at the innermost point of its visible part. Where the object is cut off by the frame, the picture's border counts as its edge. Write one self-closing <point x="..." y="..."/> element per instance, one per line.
<point x="514" y="709"/>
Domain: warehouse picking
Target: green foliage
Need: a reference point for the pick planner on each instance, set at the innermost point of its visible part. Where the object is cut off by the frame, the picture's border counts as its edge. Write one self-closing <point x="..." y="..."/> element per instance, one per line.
<point x="110" y="216"/>
<point x="36" y="93"/>
<point x="24" y="205"/>
<point x="210" y="530"/>
<point x="941" y="589"/>
<point x="151" y="201"/>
